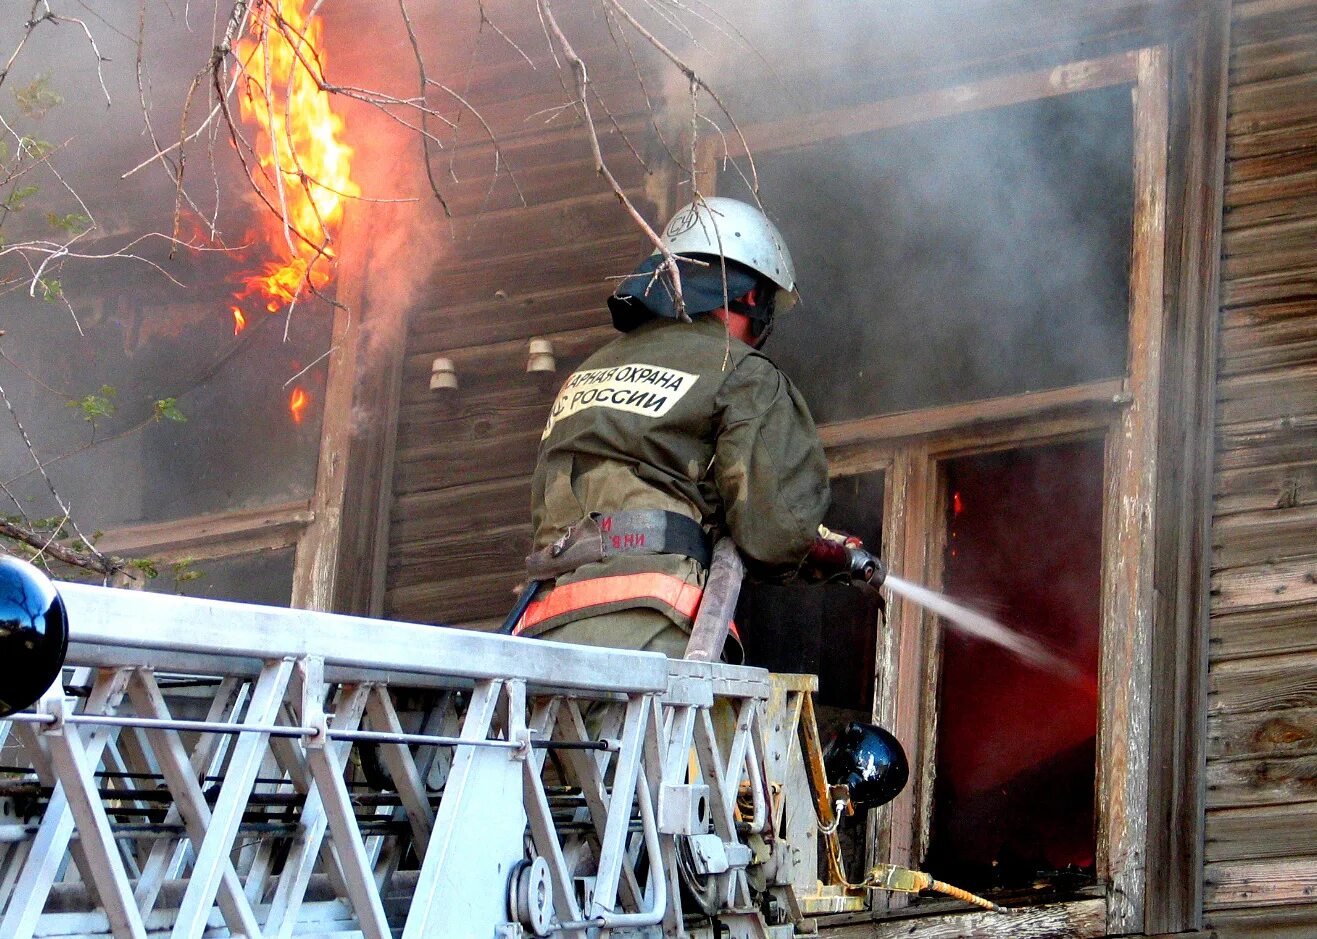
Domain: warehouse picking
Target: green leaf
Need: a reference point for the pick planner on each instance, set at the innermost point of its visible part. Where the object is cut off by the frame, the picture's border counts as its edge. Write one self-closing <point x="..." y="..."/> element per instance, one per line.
<point x="166" y="409"/>
<point x="14" y="201"/>
<point x="96" y="405"/>
<point x="51" y="290"/>
<point x="146" y="566"/>
<point x="183" y="571"/>
<point x="34" y="147"/>
<point x="36" y="98"/>
<point x="75" y="223"/>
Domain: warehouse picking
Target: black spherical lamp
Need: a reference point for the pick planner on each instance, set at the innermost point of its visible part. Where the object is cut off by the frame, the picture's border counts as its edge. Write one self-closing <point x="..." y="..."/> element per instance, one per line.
<point x="870" y="762"/>
<point x="34" y="634"/>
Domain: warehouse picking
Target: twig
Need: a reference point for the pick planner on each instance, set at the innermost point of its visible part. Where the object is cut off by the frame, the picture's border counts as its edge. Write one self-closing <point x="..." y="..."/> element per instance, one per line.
<point x="669" y="264"/>
<point x="103" y="564"/>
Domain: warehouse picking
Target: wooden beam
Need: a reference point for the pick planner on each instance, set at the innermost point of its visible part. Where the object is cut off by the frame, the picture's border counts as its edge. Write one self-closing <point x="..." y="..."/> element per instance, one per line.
<point x="1099" y="397"/>
<point x="900" y="702"/>
<point x="205" y="537"/>
<point x="1132" y="460"/>
<point x="1174" y="810"/>
<point x="316" y="563"/>
<point x="806" y="129"/>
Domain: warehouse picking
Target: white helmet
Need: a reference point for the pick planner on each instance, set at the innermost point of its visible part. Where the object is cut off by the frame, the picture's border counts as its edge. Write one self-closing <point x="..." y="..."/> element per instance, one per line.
<point x="738" y="232"/>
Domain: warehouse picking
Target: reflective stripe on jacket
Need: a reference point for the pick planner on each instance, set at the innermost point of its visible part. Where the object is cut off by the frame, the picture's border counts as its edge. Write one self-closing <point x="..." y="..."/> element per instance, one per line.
<point x="584" y="596"/>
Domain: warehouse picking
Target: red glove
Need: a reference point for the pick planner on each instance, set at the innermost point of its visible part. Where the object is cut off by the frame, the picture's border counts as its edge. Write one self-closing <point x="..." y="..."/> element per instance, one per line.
<point x="835" y="556"/>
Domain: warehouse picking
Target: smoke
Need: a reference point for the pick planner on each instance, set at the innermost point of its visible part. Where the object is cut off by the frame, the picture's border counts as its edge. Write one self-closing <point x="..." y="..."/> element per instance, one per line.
<point x="964" y="257"/>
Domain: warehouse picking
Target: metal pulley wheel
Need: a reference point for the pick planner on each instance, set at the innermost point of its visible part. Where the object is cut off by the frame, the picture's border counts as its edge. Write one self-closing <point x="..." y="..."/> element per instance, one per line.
<point x="700" y="890"/>
<point x="530" y="896"/>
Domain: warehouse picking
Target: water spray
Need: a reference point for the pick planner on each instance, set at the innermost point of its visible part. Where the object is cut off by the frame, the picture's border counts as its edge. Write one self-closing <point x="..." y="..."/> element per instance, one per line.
<point x="973" y="623"/>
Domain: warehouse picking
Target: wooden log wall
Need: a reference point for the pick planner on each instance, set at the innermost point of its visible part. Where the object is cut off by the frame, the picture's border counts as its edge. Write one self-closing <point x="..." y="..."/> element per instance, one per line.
<point x="1261" y="833"/>
<point x="459" y="527"/>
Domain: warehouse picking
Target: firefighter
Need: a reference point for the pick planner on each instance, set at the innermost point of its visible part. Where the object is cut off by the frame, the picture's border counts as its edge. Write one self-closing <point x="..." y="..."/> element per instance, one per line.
<point x="673" y="434"/>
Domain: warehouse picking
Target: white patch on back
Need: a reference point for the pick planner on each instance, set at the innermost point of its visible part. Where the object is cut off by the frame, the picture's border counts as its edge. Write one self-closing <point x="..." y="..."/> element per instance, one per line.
<point x="648" y="390"/>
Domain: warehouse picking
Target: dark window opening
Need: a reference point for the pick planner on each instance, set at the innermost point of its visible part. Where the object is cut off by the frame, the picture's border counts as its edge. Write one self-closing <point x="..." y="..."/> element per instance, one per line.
<point x="956" y="259"/>
<point x="1013" y="800"/>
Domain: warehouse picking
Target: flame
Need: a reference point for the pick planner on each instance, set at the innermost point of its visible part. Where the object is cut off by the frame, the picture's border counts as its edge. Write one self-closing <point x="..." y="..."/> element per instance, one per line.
<point x="297" y="403"/>
<point x="957" y="504"/>
<point x="307" y="166"/>
<point x="239" y="321"/>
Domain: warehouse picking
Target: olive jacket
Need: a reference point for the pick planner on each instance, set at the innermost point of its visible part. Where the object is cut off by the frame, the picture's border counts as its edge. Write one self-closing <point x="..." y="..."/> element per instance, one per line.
<point x="682" y="417"/>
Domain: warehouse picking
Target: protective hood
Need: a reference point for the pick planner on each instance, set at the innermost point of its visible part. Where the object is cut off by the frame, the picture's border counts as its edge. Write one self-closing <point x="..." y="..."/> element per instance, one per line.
<point x="642" y="296"/>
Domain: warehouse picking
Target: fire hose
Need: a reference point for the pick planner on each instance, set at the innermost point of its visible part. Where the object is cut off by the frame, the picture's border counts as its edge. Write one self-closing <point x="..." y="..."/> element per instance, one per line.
<point x="904" y="880"/>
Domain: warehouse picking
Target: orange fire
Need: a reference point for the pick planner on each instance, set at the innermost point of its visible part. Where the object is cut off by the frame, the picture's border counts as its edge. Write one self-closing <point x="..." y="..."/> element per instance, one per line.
<point x="307" y="166"/>
<point x="297" y="404"/>
<point x="239" y="321"/>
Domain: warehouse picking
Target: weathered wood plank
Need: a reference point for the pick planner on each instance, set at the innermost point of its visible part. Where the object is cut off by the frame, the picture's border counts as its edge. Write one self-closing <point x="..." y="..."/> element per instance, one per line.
<point x="1263" y="735"/>
<point x="1276" y="682"/>
<point x="582" y="219"/>
<point x="1259" y="882"/>
<point x="1267" y="487"/>
<point x="1261" y="832"/>
<point x="1267" y="585"/>
<point x="1267" y="443"/>
<point x="1276" y="237"/>
<point x="1290" y="628"/>
<point x="1279" y="58"/>
<point x="510" y="273"/>
<point x="1267" y="536"/>
<point x="1250" y="347"/>
<point x="487" y="549"/>
<point x="1269" y="262"/>
<point x="468" y="462"/>
<point x="1278" y="102"/>
<point x="1276" y="354"/>
<point x="1296" y="158"/>
<point x="510" y="317"/>
<point x="1270" y="142"/>
<point x="471" y="598"/>
<point x="1264" y="288"/>
<point x="442" y="513"/>
<point x="1268" y="781"/>
<point x="1283" y="393"/>
<point x="1287" y="208"/>
<point x="1269" y="188"/>
<point x="1288" y="922"/>
<point x="1256" y="21"/>
<point x="1301" y="310"/>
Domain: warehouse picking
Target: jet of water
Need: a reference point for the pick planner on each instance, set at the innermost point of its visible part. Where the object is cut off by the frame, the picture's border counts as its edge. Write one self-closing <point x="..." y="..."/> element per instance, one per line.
<point x="984" y="627"/>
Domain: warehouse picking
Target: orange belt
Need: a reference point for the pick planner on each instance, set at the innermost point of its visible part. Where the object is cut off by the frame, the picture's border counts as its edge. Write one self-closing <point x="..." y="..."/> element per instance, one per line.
<point x="568" y="598"/>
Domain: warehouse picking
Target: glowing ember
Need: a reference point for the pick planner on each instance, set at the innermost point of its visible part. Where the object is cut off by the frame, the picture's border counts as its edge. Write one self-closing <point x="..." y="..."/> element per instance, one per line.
<point x="957" y="504"/>
<point x="239" y="321"/>
<point x="297" y="404"/>
<point x="299" y="138"/>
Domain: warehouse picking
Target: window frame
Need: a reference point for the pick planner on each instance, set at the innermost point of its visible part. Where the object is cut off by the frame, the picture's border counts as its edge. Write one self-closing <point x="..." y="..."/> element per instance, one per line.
<point x="1126" y="412"/>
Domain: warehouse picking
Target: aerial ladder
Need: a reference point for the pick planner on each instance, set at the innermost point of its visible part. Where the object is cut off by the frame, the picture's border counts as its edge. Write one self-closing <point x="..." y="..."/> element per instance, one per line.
<point x="195" y="768"/>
